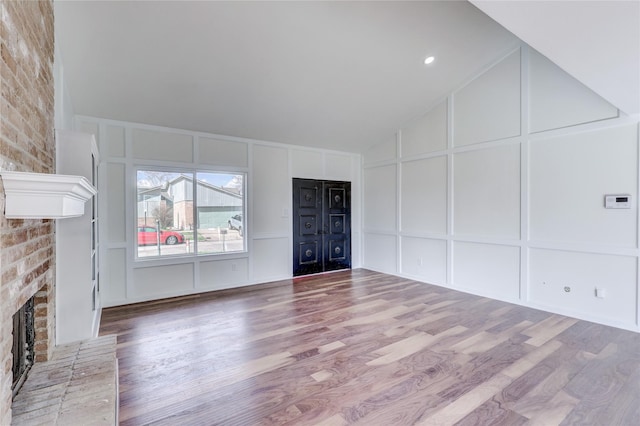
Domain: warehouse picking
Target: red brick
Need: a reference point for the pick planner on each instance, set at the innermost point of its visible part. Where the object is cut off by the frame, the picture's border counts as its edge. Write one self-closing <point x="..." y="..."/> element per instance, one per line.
<point x="27" y="141"/>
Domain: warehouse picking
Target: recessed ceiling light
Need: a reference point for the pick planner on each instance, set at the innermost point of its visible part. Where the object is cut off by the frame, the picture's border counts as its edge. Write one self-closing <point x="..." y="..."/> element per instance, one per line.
<point x="429" y="59"/>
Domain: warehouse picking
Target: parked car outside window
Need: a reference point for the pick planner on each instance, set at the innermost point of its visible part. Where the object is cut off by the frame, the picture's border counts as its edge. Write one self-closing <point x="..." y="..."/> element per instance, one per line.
<point x="235" y="223"/>
<point x="149" y="235"/>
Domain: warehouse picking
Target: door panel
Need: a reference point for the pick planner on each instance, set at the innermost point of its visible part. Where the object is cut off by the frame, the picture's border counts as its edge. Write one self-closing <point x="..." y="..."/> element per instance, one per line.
<point x="337" y="223"/>
<point x="308" y="195"/>
<point x="321" y="225"/>
<point x="337" y="250"/>
<point x="337" y="198"/>
<point x="308" y="253"/>
<point x="307" y="227"/>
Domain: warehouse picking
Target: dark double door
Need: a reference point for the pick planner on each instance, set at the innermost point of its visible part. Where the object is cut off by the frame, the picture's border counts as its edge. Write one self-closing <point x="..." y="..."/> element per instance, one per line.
<point x="321" y="226"/>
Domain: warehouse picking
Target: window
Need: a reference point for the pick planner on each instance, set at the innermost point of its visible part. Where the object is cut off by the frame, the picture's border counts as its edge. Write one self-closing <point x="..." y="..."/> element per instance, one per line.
<point x="176" y="217"/>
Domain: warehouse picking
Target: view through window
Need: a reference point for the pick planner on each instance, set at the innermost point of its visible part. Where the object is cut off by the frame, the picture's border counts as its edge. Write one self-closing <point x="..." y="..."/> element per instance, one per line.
<point x="173" y="219"/>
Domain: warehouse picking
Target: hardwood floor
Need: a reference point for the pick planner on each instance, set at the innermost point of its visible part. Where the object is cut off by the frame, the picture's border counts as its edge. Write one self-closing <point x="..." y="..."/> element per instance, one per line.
<point x="368" y="348"/>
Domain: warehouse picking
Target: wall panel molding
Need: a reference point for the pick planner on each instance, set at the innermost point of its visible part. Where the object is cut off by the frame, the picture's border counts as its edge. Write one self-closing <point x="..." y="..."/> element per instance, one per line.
<point x="594" y="156"/>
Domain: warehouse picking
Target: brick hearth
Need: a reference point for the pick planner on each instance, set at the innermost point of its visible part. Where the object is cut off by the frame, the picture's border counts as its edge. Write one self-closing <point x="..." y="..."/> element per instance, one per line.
<point x="79" y="385"/>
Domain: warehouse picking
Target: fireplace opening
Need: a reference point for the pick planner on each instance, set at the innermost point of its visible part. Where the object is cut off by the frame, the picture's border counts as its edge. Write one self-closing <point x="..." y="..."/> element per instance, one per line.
<point x="24" y="336"/>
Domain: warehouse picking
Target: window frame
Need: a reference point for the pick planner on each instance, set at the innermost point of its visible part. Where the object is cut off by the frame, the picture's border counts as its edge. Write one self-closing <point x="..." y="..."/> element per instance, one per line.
<point x="193" y="254"/>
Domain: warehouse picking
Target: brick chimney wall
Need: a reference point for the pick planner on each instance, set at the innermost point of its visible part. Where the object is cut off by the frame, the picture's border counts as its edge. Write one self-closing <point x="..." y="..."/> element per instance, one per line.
<point x="27" y="247"/>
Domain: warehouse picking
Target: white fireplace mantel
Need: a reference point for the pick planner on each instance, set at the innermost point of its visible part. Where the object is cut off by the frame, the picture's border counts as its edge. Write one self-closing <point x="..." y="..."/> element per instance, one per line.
<point x="45" y="196"/>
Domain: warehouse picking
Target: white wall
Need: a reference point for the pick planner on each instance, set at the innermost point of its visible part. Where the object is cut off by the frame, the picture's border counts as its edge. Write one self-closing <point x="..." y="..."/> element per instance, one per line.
<point x="499" y="189"/>
<point x="270" y="168"/>
<point x="63" y="110"/>
<point x="597" y="42"/>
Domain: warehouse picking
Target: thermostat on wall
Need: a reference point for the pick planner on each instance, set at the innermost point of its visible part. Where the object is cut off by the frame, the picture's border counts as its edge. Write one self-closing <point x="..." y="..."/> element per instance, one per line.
<point x="617" y="201"/>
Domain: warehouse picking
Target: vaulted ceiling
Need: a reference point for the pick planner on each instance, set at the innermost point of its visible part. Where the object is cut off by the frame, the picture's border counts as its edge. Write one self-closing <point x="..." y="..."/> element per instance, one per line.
<point x="597" y="42"/>
<point x="336" y="75"/>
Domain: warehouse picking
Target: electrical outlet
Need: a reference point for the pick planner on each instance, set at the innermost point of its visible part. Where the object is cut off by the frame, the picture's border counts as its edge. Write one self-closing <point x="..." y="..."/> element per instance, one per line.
<point x="419" y="261"/>
<point x="234" y="268"/>
<point x="600" y="293"/>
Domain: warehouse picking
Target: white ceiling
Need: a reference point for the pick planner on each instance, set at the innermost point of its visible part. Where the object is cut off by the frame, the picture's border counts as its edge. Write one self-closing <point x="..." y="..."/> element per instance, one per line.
<point x="597" y="42"/>
<point x="337" y="75"/>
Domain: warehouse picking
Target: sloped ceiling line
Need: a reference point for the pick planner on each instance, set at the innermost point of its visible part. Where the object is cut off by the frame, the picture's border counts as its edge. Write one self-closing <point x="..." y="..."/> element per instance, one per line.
<point x="596" y="42"/>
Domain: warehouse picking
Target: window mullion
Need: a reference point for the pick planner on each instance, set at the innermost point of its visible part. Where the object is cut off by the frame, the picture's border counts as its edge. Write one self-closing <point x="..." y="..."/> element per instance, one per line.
<point x="194" y="213"/>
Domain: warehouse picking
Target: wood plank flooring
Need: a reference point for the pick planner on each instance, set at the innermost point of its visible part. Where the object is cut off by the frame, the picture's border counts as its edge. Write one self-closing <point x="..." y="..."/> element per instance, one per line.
<point x="368" y="348"/>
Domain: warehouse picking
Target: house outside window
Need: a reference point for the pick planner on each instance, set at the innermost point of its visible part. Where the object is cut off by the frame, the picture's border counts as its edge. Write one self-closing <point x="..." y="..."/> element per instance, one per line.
<point x="177" y="218"/>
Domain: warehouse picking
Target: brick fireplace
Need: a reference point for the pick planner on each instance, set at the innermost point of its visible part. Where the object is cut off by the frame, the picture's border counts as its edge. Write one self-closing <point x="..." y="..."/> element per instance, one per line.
<point x="27" y="247"/>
